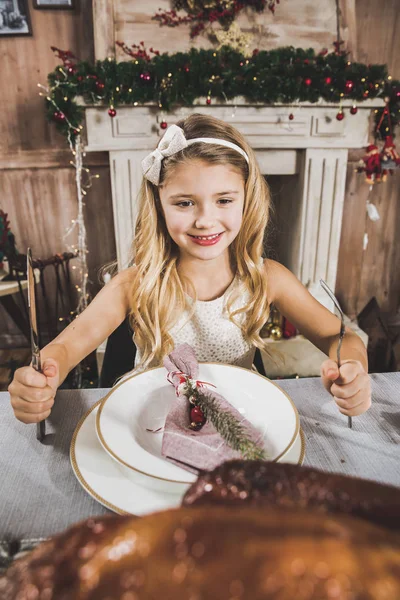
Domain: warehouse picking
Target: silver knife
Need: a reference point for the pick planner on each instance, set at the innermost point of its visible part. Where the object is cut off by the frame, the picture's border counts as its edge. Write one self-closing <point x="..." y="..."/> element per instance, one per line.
<point x="332" y="296"/>
<point x="36" y="364"/>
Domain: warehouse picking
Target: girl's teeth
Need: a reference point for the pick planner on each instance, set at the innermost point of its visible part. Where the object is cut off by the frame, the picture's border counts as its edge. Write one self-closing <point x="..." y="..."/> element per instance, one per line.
<point x="206" y="237"/>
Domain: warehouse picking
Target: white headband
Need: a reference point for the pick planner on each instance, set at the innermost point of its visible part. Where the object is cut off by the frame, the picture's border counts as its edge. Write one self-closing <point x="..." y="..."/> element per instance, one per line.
<point x="172" y="142"/>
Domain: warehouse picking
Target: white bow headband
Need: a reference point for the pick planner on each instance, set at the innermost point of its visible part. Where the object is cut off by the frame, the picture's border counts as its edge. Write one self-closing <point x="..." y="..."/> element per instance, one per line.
<point x="172" y="142"/>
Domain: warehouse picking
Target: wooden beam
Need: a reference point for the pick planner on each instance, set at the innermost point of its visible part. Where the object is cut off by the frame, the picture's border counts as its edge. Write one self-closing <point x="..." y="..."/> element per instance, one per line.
<point x="103" y="29"/>
<point x="348" y="27"/>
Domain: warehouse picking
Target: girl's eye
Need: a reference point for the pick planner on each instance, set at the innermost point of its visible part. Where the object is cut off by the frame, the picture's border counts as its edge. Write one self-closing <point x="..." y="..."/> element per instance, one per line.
<point x="184" y="203"/>
<point x="225" y="201"/>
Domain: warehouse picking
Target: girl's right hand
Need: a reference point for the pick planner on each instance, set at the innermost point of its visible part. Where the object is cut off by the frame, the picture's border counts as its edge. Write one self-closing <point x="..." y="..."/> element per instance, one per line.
<point x="32" y="393"/>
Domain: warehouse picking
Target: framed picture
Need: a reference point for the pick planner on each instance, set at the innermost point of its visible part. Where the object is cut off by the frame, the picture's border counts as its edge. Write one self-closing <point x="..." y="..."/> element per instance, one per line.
<point x="54" y="4"/>
<point x="14" y="18"/>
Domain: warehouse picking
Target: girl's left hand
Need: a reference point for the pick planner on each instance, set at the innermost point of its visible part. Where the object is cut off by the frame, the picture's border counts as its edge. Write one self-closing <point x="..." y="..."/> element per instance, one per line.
<point x="350" y="386"/>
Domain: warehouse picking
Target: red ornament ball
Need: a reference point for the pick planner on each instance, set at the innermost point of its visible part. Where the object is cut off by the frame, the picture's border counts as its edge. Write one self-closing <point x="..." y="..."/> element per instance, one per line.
<point x="145" y="76"/>
<point x="340" y="115"/>
<point x="100" y="86"/>
<point x="196" y="415"/>
<point x="328" y="80"/>
<point x="349" y="85"/>
<point x="112" y="112"/>
<point x="308" y="81"/>
<point x="291" y="117"/>
<point x="163" y="124"/>
<point x="398" y="94"/>
<point x="208" y="101"/>
<point x="354" y="110"/>
<point x="59" y="116"/>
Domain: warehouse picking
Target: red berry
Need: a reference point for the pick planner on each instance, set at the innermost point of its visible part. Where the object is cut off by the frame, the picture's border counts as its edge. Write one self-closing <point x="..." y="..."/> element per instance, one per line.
<point x="112" y="112"/>
<point x="163" y="125"/>
<point x="196" y="415"/>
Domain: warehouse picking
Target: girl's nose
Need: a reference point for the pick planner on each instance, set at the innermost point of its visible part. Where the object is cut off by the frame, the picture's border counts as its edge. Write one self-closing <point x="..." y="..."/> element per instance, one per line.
<point x="205" y="220"/>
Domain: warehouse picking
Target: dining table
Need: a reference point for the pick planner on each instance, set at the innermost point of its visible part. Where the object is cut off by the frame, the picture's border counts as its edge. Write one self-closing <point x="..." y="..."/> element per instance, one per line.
<point x="40" y="495"/>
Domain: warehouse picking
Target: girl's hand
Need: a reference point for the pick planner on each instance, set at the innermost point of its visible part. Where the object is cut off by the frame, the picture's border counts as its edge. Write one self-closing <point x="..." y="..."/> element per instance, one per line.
<point x="32" y="393"/>
<point x="350" y="386"/>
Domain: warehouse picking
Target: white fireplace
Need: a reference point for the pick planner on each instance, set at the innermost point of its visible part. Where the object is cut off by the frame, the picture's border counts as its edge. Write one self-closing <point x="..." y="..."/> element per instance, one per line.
<point x="313" y="146"/>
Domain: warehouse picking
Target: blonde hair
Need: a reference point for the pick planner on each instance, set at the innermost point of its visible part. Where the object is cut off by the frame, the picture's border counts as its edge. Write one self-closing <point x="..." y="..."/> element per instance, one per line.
<point x="157" y="296"/>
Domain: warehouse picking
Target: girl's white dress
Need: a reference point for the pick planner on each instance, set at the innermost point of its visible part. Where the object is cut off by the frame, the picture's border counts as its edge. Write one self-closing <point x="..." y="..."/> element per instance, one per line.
<point x="212" y="335"/>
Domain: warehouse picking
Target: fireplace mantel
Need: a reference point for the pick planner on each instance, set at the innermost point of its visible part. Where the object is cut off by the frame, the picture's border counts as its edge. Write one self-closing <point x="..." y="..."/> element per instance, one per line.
<point x="313" y="145"/>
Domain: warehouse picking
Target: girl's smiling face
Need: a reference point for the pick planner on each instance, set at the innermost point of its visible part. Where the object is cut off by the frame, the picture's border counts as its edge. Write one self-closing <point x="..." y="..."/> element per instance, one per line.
<point x="203" y="208"/>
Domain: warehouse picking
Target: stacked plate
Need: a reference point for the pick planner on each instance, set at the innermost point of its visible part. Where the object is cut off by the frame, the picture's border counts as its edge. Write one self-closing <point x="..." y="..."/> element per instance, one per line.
<point x="116" y="447"/>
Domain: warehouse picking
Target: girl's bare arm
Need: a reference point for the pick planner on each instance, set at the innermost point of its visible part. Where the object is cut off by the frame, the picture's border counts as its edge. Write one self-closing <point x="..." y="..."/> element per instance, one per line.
<point x="104" y="314"/>
<point x="313" y="320"/>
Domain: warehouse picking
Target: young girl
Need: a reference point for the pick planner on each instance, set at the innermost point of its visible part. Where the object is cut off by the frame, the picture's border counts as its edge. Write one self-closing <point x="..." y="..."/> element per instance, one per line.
<point x="198" y="275"/>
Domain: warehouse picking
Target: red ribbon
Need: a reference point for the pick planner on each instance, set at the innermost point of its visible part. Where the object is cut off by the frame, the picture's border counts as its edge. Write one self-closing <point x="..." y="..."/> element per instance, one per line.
<point x="183" y="378"/>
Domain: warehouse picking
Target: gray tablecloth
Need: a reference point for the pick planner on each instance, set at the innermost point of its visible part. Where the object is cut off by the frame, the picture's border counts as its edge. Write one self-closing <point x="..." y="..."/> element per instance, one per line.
<point x="40" y="495"/>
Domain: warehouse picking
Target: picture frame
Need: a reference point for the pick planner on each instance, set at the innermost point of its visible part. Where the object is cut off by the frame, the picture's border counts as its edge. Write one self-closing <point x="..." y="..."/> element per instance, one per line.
<point x="14" y="18"/>
<point x="54" y="4"/>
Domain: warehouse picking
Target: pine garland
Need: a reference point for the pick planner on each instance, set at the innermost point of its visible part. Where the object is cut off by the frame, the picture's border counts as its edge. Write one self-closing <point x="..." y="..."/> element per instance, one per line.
<point x="229" y="428"/>
<point x="285" y="75"/>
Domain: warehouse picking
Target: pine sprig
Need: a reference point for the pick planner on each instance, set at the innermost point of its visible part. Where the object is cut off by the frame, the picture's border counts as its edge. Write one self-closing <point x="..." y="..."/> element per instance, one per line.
<point x="227" y="425"/>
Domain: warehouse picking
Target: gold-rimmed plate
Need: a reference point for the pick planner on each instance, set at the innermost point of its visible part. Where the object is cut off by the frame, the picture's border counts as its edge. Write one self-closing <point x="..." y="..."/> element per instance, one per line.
<point x="101" y="477"/>
<point x="138" y="406"/>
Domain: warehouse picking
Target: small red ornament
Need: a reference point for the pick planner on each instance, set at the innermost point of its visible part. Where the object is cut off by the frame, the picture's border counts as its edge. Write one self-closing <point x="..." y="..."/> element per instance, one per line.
<point x="163" y="124"/>
<point x="112" y="112"/>
<point x="340" y="115"/>
<point x="354" y="110"/>
<point x="196" y="415"/>
<point x="99" y="86"/>
<point x="59" y="116"/>
<point x="79" y="78"/>
<point x="291" y="117"/>
<point x="328" y="80"/>
<point x="145" y="76"/>
<point x="208" y="101"/>
<point x="349" y="86"/>
<point x="308" y="81"/>
<point x="366" y="94"/>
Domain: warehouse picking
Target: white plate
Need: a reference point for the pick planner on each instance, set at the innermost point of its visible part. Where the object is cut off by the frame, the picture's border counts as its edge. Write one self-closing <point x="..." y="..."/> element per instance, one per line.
<point x="142" y="402"/>
<point x="101" y="478"/>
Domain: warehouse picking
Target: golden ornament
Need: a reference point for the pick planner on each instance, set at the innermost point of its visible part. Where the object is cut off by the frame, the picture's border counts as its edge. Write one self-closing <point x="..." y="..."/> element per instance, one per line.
<point x="235" y="39"/>
<point x="276" y="332"/>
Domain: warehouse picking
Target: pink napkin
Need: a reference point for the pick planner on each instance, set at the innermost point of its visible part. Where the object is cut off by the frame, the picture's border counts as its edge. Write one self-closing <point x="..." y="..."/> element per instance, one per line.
<point x="196" y="450"/>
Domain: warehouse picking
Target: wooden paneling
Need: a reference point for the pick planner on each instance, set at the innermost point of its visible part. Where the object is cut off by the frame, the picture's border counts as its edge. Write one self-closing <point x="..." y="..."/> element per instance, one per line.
<point x="374" y="271"/>
<point x="303" y="24"/>
<point x="37" y="183"/>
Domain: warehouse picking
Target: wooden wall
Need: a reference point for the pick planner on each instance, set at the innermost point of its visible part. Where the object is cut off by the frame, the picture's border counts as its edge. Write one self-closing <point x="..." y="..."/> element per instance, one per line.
<point x="375" y="270"/>
<point x="37" y="186"/>
<point x="37" y="183"/>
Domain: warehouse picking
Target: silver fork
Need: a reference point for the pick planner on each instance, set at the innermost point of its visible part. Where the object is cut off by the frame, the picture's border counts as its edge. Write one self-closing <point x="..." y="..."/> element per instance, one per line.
<point x="332" y="296"/>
